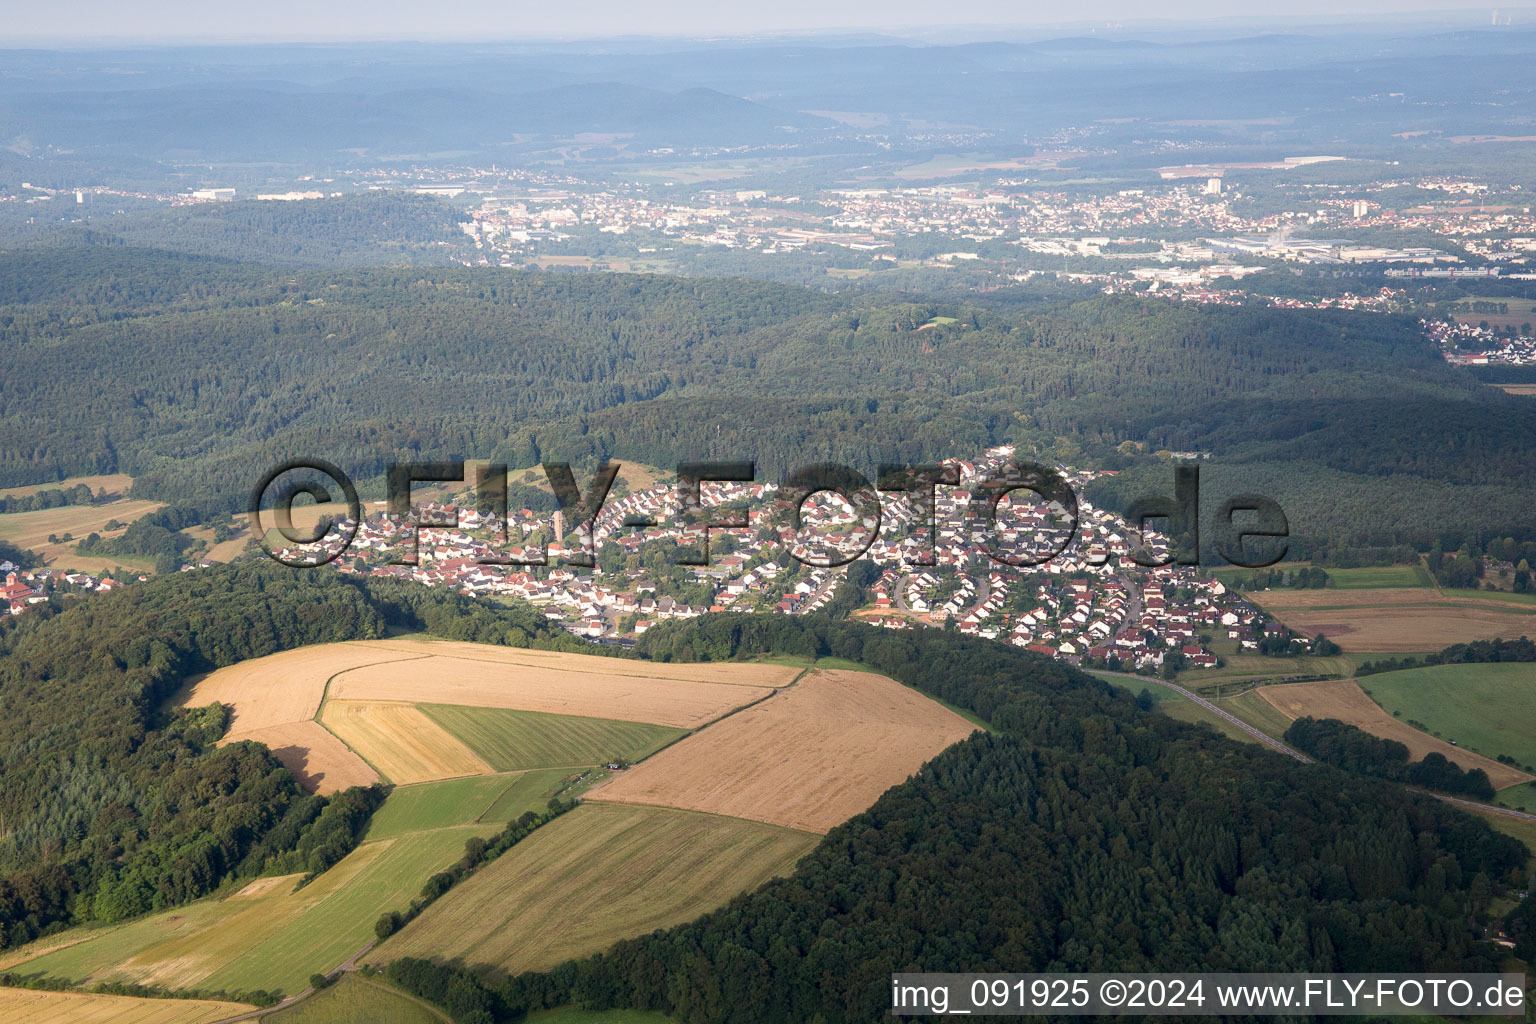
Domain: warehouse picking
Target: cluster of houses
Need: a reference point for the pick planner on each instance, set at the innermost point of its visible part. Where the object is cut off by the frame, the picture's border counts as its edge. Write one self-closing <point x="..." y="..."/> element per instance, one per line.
<point x="1009" y="579"/>
<point x="1468" y="344"/>
<point x="24" y="588"/>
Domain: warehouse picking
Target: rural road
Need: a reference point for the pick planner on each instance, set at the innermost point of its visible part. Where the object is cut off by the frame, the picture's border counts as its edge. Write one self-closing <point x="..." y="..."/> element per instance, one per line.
<point x="349" y="964"/>
<point x="1508" y="812"/>
<point x="1264" y="738"/>
<point x="1275" y="744"/>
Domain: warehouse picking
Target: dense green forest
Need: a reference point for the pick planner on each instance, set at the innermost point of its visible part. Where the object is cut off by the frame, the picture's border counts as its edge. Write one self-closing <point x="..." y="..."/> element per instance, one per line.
<point x="111" y="805"/>
<point x="370" y="228"/>
<point x="1080" y="833"/>
<point x="195" y="375"/>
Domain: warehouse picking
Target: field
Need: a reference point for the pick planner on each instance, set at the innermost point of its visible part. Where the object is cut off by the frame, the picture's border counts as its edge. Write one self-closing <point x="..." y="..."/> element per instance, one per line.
<point x="1381" y="577"/>
<point x="280" y="688"/>
<point x="355" y="999"/>
<point x="1399" y="619"/>
<point x="268" y="935"/>
<point x="373" y="684"/>
<point x="1188" y="711"/>
<point x="750" y="673"/>
<point x="810" y="757"/>
<point x="1241" y="666"/>
<point x="318" y="760"/>
<point x="275" y="932"/>
<point x="19" y="1006"/>
<point x="112" y="483"/>
<point x="971" y="163"/>
<point x="595" y="875"/>
<point x="571" y="1015"/>
<point x="31" y="530"/>
<point x="1490" y="709"/>
<point x="453" y="802"/>
<point x="512" y="740"/>
<point x="275" y="699"/>
<point x="1345" y="701"/>
<point x="400" y="742"/>
<point x="1521" y="798"/>
<point x="562" y="684"/>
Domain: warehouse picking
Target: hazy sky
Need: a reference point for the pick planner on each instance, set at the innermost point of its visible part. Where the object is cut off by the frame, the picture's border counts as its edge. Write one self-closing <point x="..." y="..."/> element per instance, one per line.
<point x="100" y="20"/>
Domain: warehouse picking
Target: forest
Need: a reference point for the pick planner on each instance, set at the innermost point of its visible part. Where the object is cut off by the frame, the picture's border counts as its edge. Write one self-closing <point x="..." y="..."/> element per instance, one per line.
<point x="196" y="375"/>
<point x="1081" y="832"/>
<point x="113" y="806"/>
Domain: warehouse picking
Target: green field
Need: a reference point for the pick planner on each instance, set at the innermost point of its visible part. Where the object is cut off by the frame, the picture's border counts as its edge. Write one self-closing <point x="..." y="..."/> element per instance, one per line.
<point x="1521" y="798"/>
<point x="355" y="999"/>
<point x="515" y="740"/>
<point x="1249" y="666"/>
<point x="1377" y="577"/>
<point x="1525" y="831"/>
<point x="1490" y="709"/>
<point x="432" y="805"/>
<point x="571" y="1015"/>
<point x="1505" y="596"/>
<point x="1176" y="705"/>
<point x="1189" y="711"/>
<point x="600" y="873"/>
<point x="271" y="939"/>
<point x="1257" y="712"/>
<point x="532" y="792"/>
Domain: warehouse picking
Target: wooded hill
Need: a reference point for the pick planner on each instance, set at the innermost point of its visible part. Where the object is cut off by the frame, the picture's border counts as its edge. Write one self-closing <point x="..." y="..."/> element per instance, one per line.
<point x="112" y="805"/>
<point x="1081" y="833"/>
<point x="196" y="375"/>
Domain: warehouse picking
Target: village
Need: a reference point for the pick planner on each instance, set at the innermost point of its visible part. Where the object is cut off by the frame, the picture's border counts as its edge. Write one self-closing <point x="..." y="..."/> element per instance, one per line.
<point x="1091" y="604"/>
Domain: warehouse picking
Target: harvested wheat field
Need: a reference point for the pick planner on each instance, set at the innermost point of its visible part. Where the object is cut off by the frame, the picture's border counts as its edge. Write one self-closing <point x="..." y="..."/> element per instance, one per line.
<point x="1399" y="619"/>
<point x="19" y="1006"/>
<point x="400" y="742"/>
<point x="1411" y="628"/>
<point x="733" y="673"/>
<point x="318" y="760"/>
<point x="551" y="687"/>
<point x="280" y="688"/>
<point x="1344" y="700"/>
<point x="276" y="699"/>
<point x="810" y="757"/>
<point x="1287" y="598"/>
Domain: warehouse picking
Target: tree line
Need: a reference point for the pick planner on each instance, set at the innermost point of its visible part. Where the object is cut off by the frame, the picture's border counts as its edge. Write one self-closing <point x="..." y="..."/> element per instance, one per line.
<point x="1353" y="749"/>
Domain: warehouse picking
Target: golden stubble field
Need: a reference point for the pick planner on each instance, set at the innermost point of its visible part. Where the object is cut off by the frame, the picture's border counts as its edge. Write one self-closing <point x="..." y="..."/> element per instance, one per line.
<point x="1344" y="700"/>
<point x="31" y="530"/>
<point x="1401" y="619"/>
<point x="682" y="696"/>
<point x="19" y="1006"/>
<point x="276" y="700"/>
<point x="401" y="742"/>
<point x="809" y="757"/>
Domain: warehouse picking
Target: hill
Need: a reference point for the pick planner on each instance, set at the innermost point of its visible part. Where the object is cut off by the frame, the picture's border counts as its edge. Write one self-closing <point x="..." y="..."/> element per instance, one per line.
<point x="114" y="803"/>
<point x="1352" y="421"/>
<point x="1214" y="855"/>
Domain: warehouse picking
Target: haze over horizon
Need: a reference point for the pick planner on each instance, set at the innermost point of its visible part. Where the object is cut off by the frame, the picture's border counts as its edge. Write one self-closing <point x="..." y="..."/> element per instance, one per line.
<point x="97" y="22"/>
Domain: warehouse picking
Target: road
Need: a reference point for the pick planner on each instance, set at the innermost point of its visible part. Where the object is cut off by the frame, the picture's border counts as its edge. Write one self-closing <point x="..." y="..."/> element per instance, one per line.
<point x="1274" y="744"/>
<point x="1262" y="737"/>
